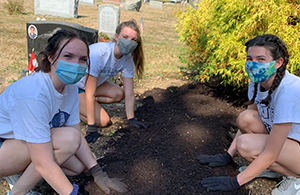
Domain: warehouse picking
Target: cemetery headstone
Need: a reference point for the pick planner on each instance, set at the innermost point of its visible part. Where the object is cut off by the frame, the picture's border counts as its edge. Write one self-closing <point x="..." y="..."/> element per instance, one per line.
<point x="88" y="2"/>
<point x="132" y="5"/>
<point x="114" y="1"/>
<point x="108" y="19"/>
<point x="156" y="4"/>
<point x="60" y="8"/>
<point x="38" y="33"/>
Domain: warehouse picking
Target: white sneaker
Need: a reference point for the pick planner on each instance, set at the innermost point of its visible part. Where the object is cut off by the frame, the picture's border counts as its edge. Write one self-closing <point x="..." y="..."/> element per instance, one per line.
<point x="12" y="179"/>
<point x="288" y="186"/>
<point x="266" y="173"/>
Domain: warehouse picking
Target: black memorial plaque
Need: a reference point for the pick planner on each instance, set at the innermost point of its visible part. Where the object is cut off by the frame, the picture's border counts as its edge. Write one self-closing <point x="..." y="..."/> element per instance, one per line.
<point x="38" y="33"/>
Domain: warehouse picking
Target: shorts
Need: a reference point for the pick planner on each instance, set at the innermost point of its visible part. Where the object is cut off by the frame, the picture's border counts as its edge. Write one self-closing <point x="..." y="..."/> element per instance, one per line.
<point x="1" y="141"/>
<point x="80" y="91"/>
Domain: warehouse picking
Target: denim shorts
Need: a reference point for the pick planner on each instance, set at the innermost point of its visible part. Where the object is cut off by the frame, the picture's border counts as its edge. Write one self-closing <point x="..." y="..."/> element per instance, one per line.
<point x="1" y="141"/>
<point x="80" y="91"/>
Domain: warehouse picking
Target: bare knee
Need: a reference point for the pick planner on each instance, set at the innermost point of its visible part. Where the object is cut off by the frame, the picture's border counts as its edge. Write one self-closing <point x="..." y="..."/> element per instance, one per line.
<point x="104" y="122"/>
<point x="244" y="120"/>
<point x="243" y="146"/>
<point x="119" y="95"/>
<point x="68" y="142"/>
<point x="73" y="141"/>
<point x="248" y="122"/>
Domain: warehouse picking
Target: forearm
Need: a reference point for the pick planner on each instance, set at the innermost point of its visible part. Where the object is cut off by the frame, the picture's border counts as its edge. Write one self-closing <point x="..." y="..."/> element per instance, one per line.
<point x="129" y="105"/>
<point x="90" y="109"/>
<point x="260" y="164"/>
<point x="90" y="90"/>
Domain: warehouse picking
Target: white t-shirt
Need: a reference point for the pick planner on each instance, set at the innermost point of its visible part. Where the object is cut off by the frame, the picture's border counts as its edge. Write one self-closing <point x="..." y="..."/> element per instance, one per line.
<point x="104" y="65"/>
<point x="31" y="106"/>
<point x="284" y="106"/>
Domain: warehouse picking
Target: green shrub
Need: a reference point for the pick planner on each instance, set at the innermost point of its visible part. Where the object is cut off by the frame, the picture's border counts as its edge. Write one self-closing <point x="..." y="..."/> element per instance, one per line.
<point x="14" y="6"/>
<point x="216" y="32"/>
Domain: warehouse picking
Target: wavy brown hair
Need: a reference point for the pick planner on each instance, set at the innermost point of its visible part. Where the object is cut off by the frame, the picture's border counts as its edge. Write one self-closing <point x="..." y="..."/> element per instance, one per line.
<point x="53" y="45"/>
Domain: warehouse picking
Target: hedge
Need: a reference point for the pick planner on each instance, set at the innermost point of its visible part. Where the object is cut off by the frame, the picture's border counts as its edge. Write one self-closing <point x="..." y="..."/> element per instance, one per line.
<point x="215" y="33"/>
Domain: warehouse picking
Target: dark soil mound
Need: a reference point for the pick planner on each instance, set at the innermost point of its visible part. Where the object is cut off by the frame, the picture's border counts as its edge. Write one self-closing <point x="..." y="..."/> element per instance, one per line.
<point x="184" y="122"/>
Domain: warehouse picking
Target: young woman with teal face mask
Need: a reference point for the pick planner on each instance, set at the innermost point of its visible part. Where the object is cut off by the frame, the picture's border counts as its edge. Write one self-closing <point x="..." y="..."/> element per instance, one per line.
<point x="40" y="136"/>
<point x="124" y="54"/>
<point x="269" y="129"/>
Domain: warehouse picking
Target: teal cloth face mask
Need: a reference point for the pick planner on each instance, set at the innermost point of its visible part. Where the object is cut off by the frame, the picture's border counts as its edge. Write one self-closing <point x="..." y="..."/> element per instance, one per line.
<point x="126" y="46"/>
<point x="259" y="72"/>
<point x="69" y="72"/>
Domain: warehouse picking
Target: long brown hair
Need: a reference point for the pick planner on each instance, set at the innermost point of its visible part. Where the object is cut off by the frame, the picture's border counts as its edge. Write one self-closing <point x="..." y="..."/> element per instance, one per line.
<point x="138" y="53"/>
<point x="53" y="45"/>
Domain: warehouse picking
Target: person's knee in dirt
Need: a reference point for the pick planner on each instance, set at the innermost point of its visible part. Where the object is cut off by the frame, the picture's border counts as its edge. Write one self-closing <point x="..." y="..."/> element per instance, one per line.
<point x="269" y="128"/>
<point x="124" y="54"/>
<point x="39" y="149"/>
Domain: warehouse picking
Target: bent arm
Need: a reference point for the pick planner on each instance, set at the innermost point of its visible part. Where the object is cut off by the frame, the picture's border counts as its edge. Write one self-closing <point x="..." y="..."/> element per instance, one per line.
<point x="129" y="97"/>
<point x="43" y="159"/>
<point x="273" y="147"/>
<point x="90" y="89"/>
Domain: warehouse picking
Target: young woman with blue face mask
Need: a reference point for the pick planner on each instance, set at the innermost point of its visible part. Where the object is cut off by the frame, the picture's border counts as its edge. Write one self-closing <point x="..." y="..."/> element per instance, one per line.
<point x="40" y="135"/>
<point x="269" y="130"/>
<point x="124" y="54"/>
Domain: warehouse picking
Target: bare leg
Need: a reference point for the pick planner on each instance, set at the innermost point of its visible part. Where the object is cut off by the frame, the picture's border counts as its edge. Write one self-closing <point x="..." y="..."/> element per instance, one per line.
<point x="64" y="145"/>
<point x="250" y="146"/>
<point x="109" y="92"/>
<point x="102" y="118"/>
<point x="106" y="93"/>
<point x="249" y="122"/>
<point x="82" y="160"/>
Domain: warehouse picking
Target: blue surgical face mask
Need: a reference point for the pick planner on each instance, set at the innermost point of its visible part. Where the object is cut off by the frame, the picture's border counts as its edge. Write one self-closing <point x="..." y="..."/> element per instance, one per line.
<point x="126" y="46"/>
<point x="259" y="72"/>
<point x="69" y="72"/>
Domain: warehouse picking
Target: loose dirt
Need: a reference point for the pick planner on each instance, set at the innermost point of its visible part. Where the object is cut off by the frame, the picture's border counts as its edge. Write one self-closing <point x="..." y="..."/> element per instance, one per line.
<point x="184" y="121"/>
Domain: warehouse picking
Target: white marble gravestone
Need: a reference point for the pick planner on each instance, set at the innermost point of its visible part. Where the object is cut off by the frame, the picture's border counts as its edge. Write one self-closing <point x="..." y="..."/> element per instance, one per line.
<point x="60" y="8"/>
<point x="87" y="2"/>
<point x="156" y="4"/>
<point x="108" y="19"/>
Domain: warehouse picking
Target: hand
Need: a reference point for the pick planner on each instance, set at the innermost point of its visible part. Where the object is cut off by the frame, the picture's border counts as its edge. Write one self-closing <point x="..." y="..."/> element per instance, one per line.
<point x="105" y="183"/>
<point x="92" y="133"/>
<point x="215" y="160"/>
<point x="220" y="183"/>
<point x="134" y="123"/>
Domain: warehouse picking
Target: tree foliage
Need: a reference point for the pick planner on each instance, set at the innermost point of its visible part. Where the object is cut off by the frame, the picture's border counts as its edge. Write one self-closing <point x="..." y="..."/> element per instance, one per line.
<point x="215" y="34"/>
